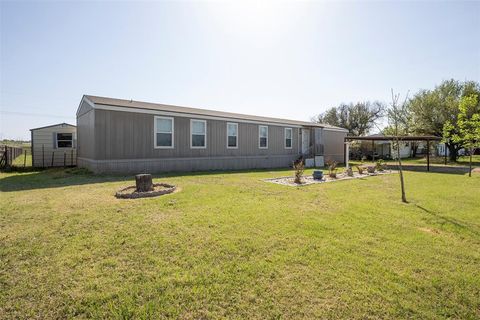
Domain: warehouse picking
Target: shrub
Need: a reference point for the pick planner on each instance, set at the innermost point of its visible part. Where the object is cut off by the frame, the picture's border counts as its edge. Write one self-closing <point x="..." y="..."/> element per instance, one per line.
<point x="332" y="168"/>
<point x="349" y="172"/>
<point x="360" y="169"/>
<point x="299" y="167"/>
<point x="380" y="165"/>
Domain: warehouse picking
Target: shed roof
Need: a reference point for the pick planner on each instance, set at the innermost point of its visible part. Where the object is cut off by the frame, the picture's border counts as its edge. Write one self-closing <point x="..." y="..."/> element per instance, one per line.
<point x="197" y="111"/>
<point x="54" y="125"/>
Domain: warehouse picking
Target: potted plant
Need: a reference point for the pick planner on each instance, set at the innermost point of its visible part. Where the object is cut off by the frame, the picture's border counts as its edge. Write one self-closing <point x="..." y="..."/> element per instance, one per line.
<point x="317" y="174"/>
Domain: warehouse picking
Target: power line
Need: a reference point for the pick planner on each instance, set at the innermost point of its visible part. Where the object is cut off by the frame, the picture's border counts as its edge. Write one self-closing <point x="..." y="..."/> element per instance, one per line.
<point x="35" y="114"/>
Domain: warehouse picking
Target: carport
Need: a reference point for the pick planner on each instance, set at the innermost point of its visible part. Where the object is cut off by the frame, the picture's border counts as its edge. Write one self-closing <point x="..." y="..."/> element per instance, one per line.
<point x="427" y="139"/>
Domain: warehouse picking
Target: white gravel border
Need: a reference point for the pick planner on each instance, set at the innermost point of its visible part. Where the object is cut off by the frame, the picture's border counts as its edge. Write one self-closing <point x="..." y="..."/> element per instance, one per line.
<point x="308" y="180"/>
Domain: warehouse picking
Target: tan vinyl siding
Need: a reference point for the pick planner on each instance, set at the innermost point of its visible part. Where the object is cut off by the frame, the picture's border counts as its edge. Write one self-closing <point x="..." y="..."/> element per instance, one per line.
<point x="125" y="135"/>
<point x="333" y="141"/>
<point x="43" y="147"/>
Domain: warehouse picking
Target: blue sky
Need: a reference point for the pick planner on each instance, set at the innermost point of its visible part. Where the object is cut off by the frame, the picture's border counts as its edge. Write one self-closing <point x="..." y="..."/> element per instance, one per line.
<point x="290" y="59"/>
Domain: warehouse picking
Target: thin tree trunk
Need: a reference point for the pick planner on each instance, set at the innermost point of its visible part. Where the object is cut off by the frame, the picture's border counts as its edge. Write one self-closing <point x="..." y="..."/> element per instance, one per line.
<point x="402" y="184"/>
<point x="453" y="152"/>
<point x="470" y="170"/>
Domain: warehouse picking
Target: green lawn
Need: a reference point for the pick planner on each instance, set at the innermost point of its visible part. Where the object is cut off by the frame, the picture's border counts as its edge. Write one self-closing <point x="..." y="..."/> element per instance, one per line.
<point x="230" y="245"/>
<point x="461" y="161"/>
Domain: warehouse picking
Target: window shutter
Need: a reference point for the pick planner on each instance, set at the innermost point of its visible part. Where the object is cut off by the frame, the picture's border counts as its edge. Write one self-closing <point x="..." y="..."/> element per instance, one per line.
<point x="54" y="140"/>
<point x="74" y="142"/>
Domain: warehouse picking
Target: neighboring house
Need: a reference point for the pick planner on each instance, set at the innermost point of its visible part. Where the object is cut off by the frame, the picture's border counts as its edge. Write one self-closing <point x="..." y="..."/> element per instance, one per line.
<point x="117" y="135"/>
<point x="441" y="149"/>
<point x="54" y="145"/>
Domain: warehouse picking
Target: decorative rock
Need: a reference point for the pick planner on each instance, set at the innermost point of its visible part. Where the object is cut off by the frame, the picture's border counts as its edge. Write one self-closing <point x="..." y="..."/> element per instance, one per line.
<point x="143" y="182"/>
<point x="371" y="169"/>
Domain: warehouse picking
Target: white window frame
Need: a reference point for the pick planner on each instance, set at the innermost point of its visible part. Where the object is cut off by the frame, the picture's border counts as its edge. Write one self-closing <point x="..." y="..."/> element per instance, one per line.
<point x="56" y="138"/>
<point x="155" y="132"/>
<point x="285" y="138"/>
<point x="236" y="136"/>
<point x="259" y="130"/>
<point x="191" y="133"/>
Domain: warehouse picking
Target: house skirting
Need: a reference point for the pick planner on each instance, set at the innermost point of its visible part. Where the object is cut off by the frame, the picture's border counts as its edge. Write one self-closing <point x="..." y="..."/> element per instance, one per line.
<point x="186" y="164"/>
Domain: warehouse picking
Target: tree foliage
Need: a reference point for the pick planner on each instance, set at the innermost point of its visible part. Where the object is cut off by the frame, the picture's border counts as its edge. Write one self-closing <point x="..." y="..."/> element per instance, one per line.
<point x="358" y="118"/>
<point x="431" y="109"/>
<point x="466" y="132"/>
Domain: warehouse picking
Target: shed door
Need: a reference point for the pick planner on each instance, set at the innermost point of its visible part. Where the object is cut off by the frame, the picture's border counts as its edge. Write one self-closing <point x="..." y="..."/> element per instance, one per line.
<point x="305" y="141"/>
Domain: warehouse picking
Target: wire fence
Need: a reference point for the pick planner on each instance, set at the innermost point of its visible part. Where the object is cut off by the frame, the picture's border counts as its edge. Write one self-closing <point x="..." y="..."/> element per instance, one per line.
<point x="20" y="157"/>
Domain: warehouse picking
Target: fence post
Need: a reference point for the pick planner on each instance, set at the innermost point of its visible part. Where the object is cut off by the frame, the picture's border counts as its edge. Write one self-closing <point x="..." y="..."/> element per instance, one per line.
<point x="64" y="159"/>
<point x="6" y="156"/>
<point x="53" y="155"/>
<point x="43" y="155"/>
<point x="25" y="158"/>
<point x="71" y="157"/>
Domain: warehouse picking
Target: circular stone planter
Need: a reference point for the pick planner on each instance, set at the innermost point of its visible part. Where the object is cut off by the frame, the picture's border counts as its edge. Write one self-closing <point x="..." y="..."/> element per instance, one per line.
<point x="158" y="190"/>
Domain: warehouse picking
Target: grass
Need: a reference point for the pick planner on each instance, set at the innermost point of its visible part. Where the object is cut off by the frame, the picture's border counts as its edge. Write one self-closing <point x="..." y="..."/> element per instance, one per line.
<point x="230" y="245"/>
<point x="22" y="161"/>
<point x="461" y="161"/>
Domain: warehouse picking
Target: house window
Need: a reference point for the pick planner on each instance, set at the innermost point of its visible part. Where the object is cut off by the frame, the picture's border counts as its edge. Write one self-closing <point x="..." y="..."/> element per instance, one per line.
<point x="263" y="137"/>
<point x="198" y="136"/>
<point x="163" y="132"/>
<point x="64" y="140"/>
<point x="232" y="135"/>
<point x="288" y="138"/>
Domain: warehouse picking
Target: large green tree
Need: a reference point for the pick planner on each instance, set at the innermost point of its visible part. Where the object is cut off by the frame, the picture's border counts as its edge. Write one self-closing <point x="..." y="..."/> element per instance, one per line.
<point x="358" y="118"/>
<point x="431" y="109"/>
<point x="467" y="130"/>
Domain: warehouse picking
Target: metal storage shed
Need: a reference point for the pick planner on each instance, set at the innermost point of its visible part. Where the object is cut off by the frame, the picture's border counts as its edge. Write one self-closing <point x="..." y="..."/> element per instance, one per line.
<point x="54" y="145"/>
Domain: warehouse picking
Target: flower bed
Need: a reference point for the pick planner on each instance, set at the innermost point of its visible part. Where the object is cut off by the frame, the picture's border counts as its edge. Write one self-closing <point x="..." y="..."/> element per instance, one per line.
<point x="307" y="180"/>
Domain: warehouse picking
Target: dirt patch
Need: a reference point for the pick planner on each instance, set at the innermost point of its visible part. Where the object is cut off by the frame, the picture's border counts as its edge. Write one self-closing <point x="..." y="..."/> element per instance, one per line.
<point x="158" y="190"/>
<point x="428" y="230"/>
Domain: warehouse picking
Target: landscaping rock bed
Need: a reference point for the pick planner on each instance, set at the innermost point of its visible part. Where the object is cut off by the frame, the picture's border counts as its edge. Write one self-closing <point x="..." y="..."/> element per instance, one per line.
<point x="307" y="180"/>
<point x="132" y="193"/>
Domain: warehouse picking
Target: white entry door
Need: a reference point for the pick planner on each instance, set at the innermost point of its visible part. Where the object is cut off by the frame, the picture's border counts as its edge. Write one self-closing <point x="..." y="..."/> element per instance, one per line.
<point x="305" y="141"/>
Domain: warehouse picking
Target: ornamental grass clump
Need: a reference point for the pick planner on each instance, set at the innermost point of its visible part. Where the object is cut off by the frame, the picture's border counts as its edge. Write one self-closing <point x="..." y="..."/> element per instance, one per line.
<point x="332" y="169"/>
<point x="299" y="168"/>
<point x="380" y="165"/>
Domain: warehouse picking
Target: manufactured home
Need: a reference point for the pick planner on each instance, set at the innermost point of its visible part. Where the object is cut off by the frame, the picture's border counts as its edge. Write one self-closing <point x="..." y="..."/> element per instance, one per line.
<point x="54" y="145"/>
<point x="129" y="136"/>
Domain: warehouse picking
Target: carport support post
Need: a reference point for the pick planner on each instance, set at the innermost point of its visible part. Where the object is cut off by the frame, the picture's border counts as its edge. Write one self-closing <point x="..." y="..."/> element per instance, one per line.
<point x="428" y="155"/>
<point x="347" y="154"/>
<point x="373" y="150"/>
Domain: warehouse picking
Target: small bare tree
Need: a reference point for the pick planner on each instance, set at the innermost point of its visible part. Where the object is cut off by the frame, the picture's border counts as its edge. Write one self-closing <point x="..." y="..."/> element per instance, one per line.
<point x="397" y="118"/>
